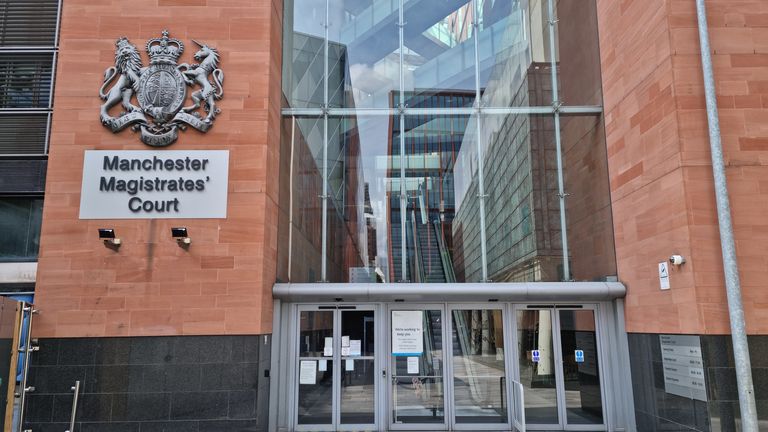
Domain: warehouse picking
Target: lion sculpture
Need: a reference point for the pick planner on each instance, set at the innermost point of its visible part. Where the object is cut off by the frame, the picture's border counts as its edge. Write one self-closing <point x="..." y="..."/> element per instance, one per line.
<point x="128" y="67"/>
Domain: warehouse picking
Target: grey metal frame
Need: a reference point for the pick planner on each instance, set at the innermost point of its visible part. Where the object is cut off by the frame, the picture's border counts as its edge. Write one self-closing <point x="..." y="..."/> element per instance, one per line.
<point x="447" y="388"/>
<point x="603" y="298"/>
<point x="293" y="368"/>
<point x="508" y="342"/>
<point x="479" y="110"/>
<point x="600" y="323"/>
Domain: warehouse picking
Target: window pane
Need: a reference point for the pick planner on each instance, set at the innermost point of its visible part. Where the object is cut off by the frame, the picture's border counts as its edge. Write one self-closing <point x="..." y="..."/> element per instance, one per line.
<point x="578" y="52"/>
<point x="465" y="226"/>
<point x="17" y="29"/>
<point x="25" y="80"/>
<point x="315" y="398"/>
<point x="303" y="53"/>
<point x="583" y="399"/>
<point x="23" y="133"/>
<point x="20" y="220"/>
<point x="537" y="374"/>
<point x="592" y="254"/>
<point x="439" y="49"/>
<point x="522" y="207"/>
<point x="364" y="56"/>
<point x="515" y="54"/>
<point x="365" y="231"/>
<point x="300" y="223"/>
<point x="417" y="381"/>
<point x="478" y="366"/>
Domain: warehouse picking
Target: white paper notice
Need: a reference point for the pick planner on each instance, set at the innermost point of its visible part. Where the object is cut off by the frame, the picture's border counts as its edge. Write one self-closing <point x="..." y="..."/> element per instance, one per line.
<point x="407" y="333"/>
<point x="349" y="365"/>
<point x="308" y="372"/>
<point x="322" y="365"/>
<point x="413" y="365"/>
<point x="345" y="351"/>
<point x="329" y="342"/>
<point x="354" y="347"/>
<point x="345" y="341"/>
<point x="328" y="351"/>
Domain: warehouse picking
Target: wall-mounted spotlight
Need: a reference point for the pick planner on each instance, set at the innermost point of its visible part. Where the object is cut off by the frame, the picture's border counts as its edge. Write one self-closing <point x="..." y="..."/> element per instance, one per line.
<point x="108" y="235"/>
<point x="181" y="236"/>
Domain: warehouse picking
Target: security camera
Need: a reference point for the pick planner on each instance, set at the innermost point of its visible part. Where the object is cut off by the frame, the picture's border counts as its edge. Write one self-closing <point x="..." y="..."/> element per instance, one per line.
<point x="181" y="236"/>
<point x="677" y="260"/>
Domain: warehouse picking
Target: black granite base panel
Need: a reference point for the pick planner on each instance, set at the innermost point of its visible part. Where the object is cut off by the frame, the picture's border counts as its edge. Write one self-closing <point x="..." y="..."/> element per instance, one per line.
<point x="656" y="410"/>
<point x="151" y="384"/>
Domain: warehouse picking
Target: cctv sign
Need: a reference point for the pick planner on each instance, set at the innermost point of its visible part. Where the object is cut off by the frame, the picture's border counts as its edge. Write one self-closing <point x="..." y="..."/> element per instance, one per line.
<point x="145" y="184"/>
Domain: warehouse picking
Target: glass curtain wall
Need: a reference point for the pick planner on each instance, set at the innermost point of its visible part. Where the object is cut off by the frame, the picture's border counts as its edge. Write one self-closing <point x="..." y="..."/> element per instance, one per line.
<point x="443" y="141"/>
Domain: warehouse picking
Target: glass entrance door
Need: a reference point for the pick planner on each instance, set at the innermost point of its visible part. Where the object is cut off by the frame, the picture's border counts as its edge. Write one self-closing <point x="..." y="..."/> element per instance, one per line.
<point x="416" y="368"/>
<point x="477" y="365"/>
<point x="558" y="365"/>
<point x="336" y="368"/>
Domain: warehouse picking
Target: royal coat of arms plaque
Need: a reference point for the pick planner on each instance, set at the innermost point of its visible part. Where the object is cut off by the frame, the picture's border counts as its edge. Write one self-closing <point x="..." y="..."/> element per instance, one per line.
<point x="161" y="90"/>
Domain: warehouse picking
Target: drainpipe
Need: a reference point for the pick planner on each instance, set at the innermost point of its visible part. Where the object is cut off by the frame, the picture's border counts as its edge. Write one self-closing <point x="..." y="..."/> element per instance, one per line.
<point x="730" y="265"/>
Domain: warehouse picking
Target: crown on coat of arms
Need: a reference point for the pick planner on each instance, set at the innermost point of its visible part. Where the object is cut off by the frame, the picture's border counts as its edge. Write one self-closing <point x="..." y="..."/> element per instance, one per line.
<point x="164" y="49"/>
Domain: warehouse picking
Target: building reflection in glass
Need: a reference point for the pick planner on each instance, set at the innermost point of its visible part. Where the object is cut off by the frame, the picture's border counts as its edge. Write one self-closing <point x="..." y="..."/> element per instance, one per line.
<point x="392" y="127"/>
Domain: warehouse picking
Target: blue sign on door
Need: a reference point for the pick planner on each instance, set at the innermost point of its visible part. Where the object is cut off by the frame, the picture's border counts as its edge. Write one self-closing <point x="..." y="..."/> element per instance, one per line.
<point x="536" y="356"/>
<point x="579" y="356"/>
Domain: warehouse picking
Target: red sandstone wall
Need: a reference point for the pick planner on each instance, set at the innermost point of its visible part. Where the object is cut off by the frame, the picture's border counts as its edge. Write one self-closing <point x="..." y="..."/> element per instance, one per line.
<point x="659" y="160"/>
<point x="222" y="285"/>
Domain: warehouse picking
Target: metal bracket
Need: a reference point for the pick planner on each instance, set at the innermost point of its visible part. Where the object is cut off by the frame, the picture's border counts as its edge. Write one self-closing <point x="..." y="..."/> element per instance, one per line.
<point x="556" y="105"/>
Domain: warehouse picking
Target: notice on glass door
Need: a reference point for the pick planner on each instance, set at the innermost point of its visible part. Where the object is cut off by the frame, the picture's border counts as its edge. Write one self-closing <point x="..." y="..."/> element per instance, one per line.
<point x="355" y="347"/>
<point x="413" y="365"/>
<point x="308" y="372"/>
<point x="407" y="333"/>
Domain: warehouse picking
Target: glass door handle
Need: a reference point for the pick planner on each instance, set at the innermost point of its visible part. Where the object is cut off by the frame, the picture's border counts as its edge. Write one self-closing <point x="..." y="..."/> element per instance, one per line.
<point x="384" y="373"/>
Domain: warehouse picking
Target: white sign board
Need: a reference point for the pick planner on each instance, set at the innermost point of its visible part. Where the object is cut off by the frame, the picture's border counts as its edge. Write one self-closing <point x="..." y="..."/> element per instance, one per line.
<point x="407" y="333"/>
<point x="151" y="184"/>
<point x="664" y="275"/>
<point x="683" y="366"/>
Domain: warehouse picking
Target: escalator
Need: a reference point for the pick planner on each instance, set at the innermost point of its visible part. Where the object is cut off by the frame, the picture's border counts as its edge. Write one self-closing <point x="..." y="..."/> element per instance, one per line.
<point x="432" y="263"/>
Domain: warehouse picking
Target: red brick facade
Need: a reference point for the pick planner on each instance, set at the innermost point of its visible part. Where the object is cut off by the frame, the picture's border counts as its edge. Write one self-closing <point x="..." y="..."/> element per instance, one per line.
<point x="659" y="159"/>
<point x="222" y="284"/>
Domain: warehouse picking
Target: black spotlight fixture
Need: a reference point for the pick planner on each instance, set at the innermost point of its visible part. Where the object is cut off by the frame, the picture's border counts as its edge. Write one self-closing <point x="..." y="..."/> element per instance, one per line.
<point x="181" y="236"/>
<point x="108" y="235"/>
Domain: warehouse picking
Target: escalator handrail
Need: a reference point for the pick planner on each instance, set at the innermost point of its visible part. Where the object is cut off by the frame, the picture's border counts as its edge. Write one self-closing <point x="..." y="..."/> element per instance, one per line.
<point x="450" y="277"/>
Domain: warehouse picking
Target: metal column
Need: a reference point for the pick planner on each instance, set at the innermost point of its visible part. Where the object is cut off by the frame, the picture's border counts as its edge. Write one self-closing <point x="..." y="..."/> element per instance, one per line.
<point x="730" y="265"/>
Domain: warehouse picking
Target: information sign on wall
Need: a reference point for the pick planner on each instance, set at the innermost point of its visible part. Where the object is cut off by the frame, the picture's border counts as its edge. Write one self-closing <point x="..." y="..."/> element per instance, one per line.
<point x="146" y="184"/>
<point x="407" y="333"/>
<point x="683" y="366"/>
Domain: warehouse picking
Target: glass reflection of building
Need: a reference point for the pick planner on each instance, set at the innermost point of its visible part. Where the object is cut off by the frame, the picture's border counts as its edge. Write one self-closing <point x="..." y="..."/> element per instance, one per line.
<point x="431" y="143"/>
<point x="382" y="88"/>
